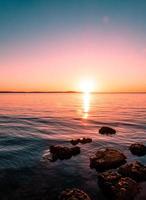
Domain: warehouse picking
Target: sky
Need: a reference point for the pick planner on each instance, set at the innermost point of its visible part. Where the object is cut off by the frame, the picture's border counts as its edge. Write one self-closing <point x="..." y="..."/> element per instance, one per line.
<point x="55" y="45"/>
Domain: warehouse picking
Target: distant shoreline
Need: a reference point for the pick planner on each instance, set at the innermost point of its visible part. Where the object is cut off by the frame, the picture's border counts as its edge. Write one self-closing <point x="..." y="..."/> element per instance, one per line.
<point x="65" y="92"/>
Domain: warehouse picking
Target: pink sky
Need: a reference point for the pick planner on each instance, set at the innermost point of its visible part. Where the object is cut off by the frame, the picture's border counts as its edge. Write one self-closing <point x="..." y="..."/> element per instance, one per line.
<point x="115" y="62"/>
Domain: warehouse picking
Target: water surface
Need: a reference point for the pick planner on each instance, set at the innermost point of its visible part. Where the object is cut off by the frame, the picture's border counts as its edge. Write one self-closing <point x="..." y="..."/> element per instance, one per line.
<point x="30" y="123"/>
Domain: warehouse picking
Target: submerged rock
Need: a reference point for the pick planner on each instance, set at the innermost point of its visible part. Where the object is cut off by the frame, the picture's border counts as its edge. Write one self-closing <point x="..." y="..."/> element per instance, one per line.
<point x="117" y="188"/>
<point x="138" y="149"/>
<point x="61" y="152"/>
<point x="134" y="170"/>
<point x="81" y="140"/>
<point x="108" y="158"/>
<point x="73" y="194"/>
<point x="107" y="130"/>
<point x="75" y="141"/>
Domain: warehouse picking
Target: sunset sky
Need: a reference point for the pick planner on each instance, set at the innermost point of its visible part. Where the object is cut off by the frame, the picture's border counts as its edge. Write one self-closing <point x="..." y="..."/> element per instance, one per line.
<point x="54" y="45"/>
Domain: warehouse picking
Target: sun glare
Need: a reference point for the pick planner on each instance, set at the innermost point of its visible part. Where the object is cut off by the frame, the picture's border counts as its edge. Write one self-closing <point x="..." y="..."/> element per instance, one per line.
<point x="87" y="86"/>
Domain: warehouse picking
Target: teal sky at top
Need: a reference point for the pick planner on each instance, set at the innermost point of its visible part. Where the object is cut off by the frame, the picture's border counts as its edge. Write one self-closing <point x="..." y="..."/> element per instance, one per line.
<point x="22" y="19"/>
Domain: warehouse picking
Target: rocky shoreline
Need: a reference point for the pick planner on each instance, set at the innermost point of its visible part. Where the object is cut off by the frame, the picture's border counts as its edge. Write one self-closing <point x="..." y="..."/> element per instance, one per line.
<point x="117" y="179"/>
<point x="68" y="171"/>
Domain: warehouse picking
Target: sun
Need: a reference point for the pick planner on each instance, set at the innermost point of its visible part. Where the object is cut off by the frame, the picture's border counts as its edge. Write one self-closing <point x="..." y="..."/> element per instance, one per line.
<point x="87" y="86"/>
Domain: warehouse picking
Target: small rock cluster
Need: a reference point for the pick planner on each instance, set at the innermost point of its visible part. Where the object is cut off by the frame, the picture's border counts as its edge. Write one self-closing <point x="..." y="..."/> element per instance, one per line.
<point x="80" y="140"/>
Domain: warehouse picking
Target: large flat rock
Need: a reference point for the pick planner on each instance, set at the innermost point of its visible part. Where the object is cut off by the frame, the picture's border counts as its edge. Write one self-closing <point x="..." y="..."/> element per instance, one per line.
<point x="107" y="158"/>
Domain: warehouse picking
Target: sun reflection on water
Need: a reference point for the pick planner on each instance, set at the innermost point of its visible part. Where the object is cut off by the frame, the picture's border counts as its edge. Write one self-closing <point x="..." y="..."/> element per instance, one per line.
<point x="86" y="104"/>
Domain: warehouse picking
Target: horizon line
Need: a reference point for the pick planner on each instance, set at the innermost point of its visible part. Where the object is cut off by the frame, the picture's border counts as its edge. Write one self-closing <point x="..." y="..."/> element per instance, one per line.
<point x="78" y="92"/>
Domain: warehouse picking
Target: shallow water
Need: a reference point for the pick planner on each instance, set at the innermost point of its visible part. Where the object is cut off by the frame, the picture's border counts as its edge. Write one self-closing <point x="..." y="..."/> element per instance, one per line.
<point x="30" y="123"/>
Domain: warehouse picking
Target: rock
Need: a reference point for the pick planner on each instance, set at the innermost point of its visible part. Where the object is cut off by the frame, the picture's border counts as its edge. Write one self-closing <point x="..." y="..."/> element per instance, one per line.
<point x="55" y="148"/>
<point x="61" y="152"/>
<point x="108" y="158"/>
<point x="107" y="179"/>
<point x="81" y="140"/>
<point x="85" y="140"/>
<point x="107" y="130"/>
<point x="134" y="170"/>
<point x="75" y="150"/>
<point x="75" y="141"/>
<point x="73" y="194"/>
<point x="138" y="149"/>
<point x="117" y="188"/>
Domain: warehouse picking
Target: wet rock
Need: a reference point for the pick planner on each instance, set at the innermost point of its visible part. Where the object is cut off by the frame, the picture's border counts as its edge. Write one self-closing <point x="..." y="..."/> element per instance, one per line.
<point x="61" y="152"/>
<point x="73" y="194"/>
<point x="105" y="178"/>
<point x="55" y="148"/>
<point x="117" y="188"/>
<point x="81" y="140"/>
<point x="138" y="149"/>
<point x="108" y="158"/>
<point x="134" y="170"/>
<point x="85" y="140"/>
<point x="75" y="141"/>
<point x="107" y="130"/>
<point x="75" y="150"/>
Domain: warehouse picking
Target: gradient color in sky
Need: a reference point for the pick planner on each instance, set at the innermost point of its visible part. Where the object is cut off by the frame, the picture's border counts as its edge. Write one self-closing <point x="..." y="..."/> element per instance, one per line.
<point x="55" y="44"/>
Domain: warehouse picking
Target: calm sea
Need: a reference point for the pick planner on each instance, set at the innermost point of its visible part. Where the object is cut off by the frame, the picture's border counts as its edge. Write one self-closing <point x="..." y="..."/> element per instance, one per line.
<point x="30" y="123"/>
